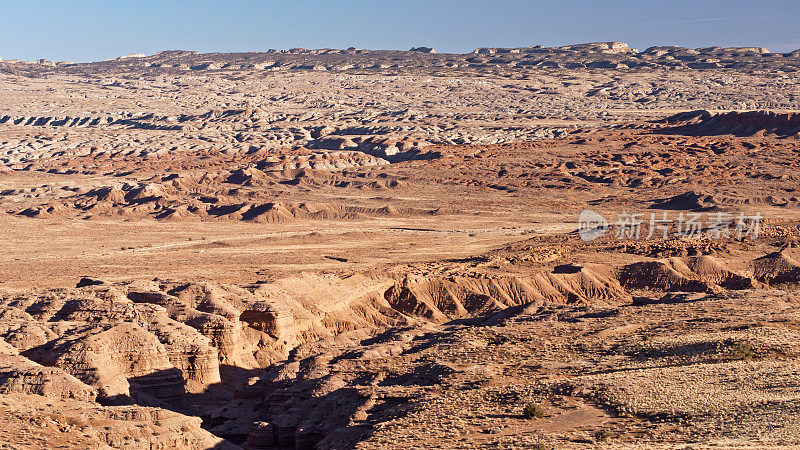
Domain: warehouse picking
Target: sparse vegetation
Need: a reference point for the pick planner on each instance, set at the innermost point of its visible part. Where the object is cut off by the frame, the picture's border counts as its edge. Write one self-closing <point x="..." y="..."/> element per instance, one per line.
<point x="741" y="350"/>
<point x="601" y="435"/>
<point x="532" y="411"/>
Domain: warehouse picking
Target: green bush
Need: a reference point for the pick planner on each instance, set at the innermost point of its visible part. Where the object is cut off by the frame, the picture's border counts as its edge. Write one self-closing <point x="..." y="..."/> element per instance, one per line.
<point x="532" y="411"/>
<point x="601" y="435"/>
<point x="741" y="350"/>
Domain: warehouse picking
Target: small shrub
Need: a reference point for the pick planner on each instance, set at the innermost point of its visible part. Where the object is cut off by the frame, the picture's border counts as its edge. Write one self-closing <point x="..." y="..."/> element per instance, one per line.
<point x="601" y="435"/>
<point x="741" y="350"/>
<point x="532" y="411"/>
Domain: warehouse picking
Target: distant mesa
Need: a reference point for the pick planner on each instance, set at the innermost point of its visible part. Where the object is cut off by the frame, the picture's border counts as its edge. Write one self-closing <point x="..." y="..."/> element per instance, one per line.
<point x="748" y="123"/>
<point x="175" y="53"/>
<point x="613" y="48"/>
<point x="423" y="50"/>
<point x="739" y="50"/>
<point x="132" y="56"/>
<point x="610" y="55"/>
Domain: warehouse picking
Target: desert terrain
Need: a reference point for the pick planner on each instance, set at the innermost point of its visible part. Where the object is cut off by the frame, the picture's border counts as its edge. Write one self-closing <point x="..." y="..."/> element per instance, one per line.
<point x="386" y="249"/>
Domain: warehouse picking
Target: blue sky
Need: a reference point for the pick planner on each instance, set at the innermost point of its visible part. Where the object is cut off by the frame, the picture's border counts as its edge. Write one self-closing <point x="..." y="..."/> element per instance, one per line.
<point x="97" y="30"/>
